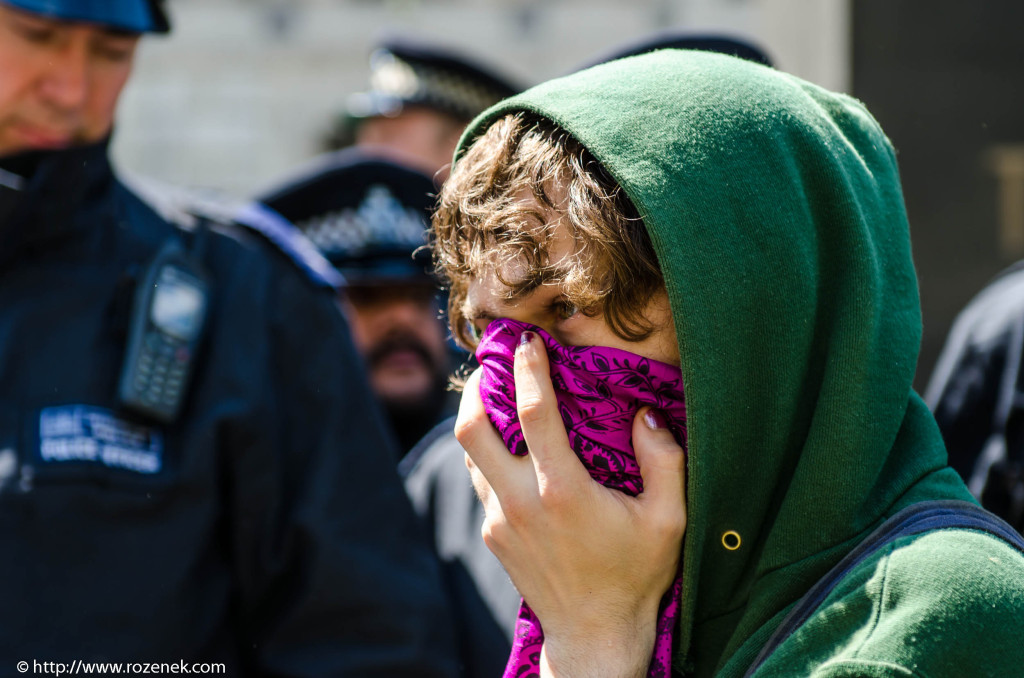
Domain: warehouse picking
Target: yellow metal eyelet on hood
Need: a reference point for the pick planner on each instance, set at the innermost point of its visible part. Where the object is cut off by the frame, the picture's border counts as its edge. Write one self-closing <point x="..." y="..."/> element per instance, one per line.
<point x="731" y="540"/>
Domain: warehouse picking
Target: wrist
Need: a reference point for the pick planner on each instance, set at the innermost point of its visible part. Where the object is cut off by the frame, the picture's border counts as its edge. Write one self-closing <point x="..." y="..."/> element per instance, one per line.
<point x="613" y="650"/>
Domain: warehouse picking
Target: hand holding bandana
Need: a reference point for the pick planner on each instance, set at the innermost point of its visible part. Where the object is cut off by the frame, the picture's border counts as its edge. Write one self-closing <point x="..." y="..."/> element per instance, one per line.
<point x="599" y="392"/>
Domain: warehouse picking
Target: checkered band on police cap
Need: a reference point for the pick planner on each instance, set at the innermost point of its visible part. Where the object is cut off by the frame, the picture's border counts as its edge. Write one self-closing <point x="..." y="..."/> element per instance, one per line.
<point x="366" y="214"/>
<point x="404" y="73"/>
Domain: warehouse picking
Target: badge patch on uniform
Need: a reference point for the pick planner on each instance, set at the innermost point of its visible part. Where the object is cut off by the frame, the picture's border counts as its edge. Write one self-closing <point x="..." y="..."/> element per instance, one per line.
<point x="83" y="433"/>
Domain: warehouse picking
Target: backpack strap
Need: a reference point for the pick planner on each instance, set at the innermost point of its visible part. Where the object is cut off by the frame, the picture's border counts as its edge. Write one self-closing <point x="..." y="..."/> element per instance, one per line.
<point x="915" y="519"/>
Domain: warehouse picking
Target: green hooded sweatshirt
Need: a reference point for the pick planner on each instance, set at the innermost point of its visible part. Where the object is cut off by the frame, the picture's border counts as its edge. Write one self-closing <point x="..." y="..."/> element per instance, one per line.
<point x="776" y="212"/>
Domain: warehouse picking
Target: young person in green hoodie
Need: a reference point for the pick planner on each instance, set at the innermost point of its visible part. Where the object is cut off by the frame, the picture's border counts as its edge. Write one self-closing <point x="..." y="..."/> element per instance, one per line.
<point x="692" y="211"/>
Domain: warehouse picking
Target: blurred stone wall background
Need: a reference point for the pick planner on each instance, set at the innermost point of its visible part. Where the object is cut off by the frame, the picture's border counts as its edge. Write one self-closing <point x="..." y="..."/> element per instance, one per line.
<point x="242" y="90"/>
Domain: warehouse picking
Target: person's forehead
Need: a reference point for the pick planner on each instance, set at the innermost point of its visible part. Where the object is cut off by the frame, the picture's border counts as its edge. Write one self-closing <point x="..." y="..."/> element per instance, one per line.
<point x="553" y="237"/>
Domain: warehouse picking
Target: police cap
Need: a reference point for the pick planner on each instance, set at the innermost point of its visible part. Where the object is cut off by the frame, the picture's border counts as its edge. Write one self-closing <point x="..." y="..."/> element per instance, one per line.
<point x="137" y="16"/>
<point x="368" y="215"/>
<point x="404" y="72"/>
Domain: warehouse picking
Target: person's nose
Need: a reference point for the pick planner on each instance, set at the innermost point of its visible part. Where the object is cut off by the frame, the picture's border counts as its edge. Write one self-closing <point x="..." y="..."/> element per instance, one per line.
<point x="66" y="81"/>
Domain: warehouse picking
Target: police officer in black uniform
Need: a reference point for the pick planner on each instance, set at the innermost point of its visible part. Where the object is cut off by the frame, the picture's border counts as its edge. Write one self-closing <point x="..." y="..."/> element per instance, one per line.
<point x="190" y="469"/>
<point x="369" y="215"/>
<point x="977" y="395"/>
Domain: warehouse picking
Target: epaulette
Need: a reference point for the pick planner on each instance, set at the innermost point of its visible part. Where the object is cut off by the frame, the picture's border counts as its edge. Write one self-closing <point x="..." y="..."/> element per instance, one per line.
<point x="186" y="207"/>
<point x="291" y="241"/>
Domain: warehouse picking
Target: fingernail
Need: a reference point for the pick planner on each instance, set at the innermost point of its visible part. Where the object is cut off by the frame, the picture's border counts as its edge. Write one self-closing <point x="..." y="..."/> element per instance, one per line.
<point x="655" y="419"/>
<point x="525" y="338"/>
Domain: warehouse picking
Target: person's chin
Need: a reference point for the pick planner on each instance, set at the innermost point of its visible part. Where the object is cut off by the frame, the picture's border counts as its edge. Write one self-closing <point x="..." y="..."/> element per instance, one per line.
<point x="33" y="138"/>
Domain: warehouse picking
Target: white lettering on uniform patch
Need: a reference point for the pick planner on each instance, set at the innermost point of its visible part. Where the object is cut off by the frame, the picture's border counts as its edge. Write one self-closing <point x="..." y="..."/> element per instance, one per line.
<point x="83" y="433"/>
<point x="68" y="449"/>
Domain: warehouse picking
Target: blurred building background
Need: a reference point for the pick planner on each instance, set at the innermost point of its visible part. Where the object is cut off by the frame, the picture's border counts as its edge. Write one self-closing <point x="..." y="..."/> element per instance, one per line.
<point x="244" y="90"/>
<point x="946" y="80"/>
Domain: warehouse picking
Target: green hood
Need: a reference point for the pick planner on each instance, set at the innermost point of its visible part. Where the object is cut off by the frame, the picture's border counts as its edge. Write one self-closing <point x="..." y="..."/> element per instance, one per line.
<point x="776" y="212"/>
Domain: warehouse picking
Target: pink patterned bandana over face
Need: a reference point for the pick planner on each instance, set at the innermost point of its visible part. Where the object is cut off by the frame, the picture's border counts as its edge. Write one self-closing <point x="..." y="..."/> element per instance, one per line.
<point x="599" y="392"/>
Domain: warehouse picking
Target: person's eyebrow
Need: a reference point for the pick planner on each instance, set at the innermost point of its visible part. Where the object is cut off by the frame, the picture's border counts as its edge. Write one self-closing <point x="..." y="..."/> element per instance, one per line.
<point x="474" y="312"/>
<point x="120" y="33"/>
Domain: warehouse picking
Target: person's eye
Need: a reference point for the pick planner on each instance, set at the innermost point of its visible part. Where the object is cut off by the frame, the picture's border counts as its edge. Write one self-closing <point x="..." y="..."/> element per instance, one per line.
<point x="115" y="49"/>
<point x="32" y="32"/>
<point x="565" y="309"/>
<point x="115" y="54"/>
<point x="473" y="331"/>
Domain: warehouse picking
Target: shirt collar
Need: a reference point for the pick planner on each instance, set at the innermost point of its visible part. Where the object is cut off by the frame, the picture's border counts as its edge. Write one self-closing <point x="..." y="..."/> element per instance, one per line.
<point x="57" y="191"/>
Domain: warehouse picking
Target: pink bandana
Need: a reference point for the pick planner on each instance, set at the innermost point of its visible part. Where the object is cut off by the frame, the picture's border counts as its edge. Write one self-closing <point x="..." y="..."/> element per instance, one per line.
<point x="599" y="392"/>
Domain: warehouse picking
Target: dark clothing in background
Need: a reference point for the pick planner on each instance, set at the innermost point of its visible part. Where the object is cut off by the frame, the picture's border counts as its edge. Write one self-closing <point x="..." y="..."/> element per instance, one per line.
<point x="485" y="601"/>
<point x="977" y="396"/>
<point x="265" y="527"/>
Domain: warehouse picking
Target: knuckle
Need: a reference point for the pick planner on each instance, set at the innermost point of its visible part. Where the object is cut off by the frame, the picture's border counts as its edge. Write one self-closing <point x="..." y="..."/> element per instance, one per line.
<point x="467" y="430"/>
<point x="555" y="495"/>
<point x="487" y="532"/>
<point x="495" y="532"/>
<point x="663" y="446"/>
<point x="669" y="525"/>
<point x="530" y="409"/>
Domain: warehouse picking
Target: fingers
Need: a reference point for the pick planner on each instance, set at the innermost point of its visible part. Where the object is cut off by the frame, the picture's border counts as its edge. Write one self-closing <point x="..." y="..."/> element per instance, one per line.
<point x="479" y="482"/>
<point x="493" y="470"/>
<point x="482" y="443"/>
<point x="538" y="412"/>
<point x="663" y="467"/>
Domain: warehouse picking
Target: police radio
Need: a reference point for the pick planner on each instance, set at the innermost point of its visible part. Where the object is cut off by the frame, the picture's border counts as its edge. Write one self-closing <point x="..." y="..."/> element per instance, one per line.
<point x="167" y="322"/>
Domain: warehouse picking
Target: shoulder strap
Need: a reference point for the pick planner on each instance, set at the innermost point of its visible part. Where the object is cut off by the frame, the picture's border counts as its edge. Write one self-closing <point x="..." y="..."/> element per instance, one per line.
<point x="184" y="207"/>
<point x="921" y="517"/>
<point x="290" y="240"/>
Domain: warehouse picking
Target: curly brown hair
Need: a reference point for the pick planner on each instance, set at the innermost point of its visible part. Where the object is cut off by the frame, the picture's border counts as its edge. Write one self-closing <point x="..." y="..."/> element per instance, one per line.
<point x="486" y="220"/>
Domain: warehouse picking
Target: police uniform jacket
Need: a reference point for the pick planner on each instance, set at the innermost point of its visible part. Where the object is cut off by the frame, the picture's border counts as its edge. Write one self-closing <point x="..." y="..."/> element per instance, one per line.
<point x="484" y="601"/>
<point x="265" y="527"/>
<point x="977" y="395"/>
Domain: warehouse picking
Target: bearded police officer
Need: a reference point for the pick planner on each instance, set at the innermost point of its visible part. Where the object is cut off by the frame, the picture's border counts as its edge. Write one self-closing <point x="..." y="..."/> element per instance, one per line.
<point x="189" y="467"/>
<point x="368" y="216"/>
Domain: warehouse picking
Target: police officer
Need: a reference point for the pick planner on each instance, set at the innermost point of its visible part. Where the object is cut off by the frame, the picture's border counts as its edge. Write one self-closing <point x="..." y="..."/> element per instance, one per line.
<point x="190" y="469"/>
<point x="421" y="97"/>
<point x="977" y="395"/>
<point x="369" y="216"/>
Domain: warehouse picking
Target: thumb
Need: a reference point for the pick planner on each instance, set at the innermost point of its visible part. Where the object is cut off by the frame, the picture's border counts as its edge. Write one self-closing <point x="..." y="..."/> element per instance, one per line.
<point x="662" y="463"/>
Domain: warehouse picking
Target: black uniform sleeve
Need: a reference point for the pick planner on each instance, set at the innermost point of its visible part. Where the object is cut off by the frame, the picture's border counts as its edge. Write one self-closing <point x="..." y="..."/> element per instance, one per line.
<point x="963" y="394"/>
<point x="977" y="395"/>
<point x="485" y="602"/>
<point x="335" y="577"/>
